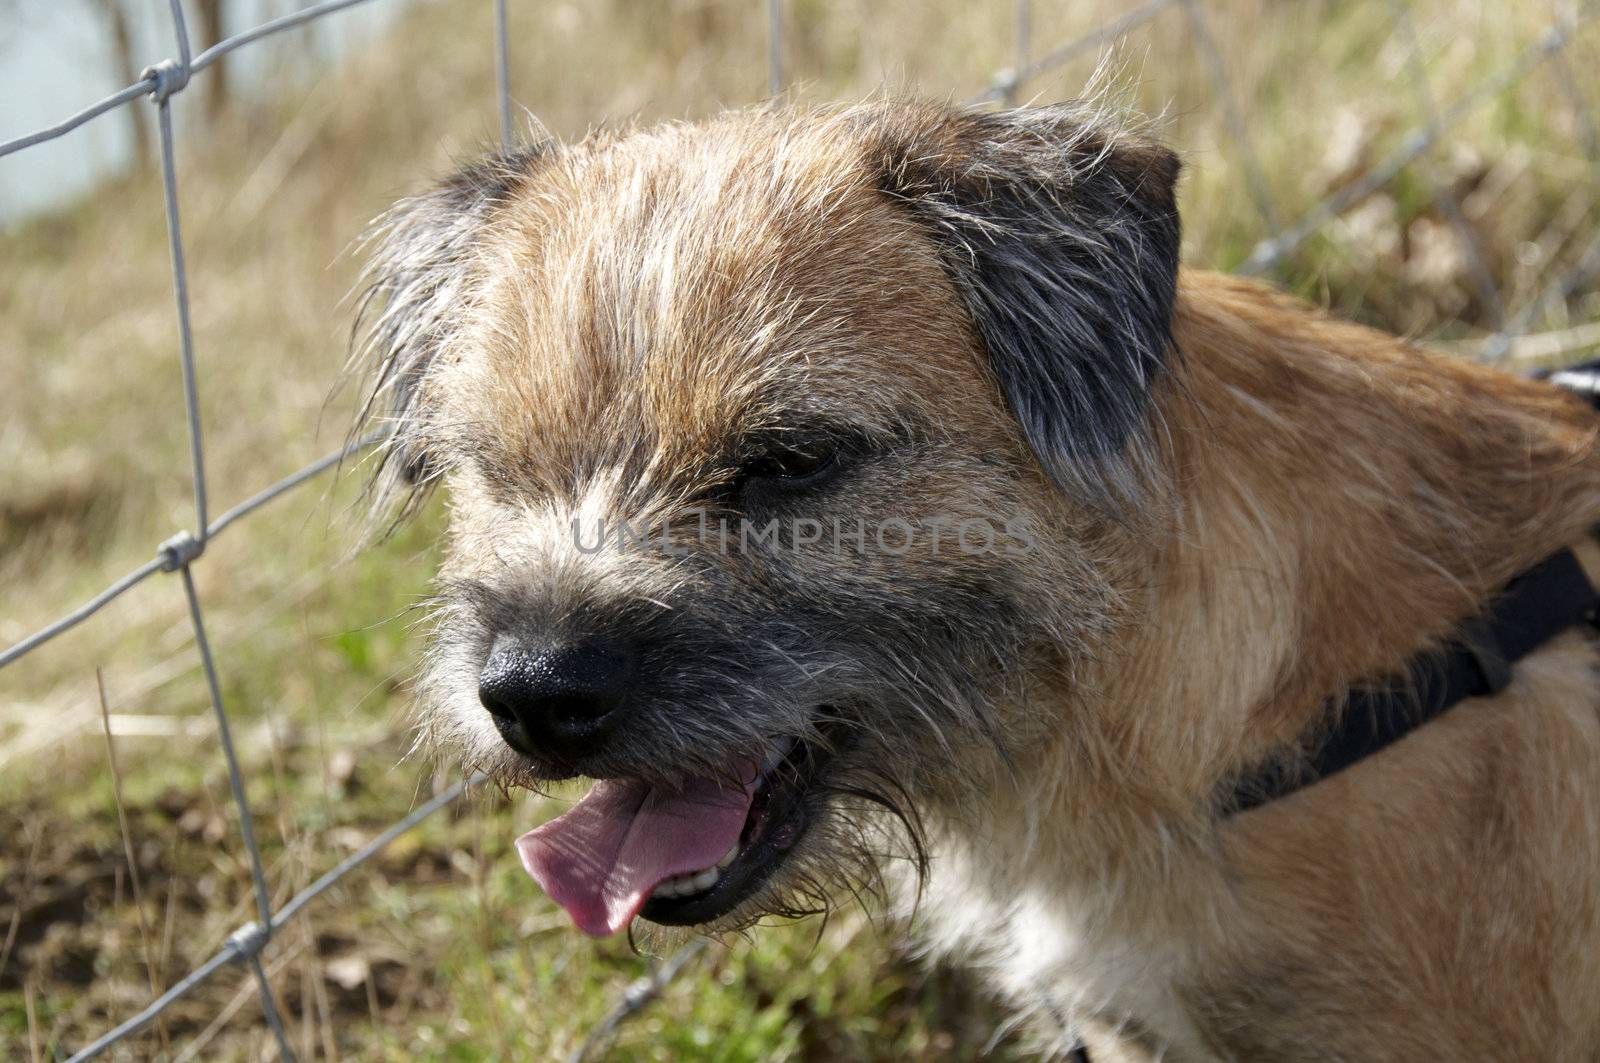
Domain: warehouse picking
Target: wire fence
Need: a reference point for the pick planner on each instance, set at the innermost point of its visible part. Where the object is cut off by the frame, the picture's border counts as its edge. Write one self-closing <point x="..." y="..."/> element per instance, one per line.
<point x="178" y="555"/>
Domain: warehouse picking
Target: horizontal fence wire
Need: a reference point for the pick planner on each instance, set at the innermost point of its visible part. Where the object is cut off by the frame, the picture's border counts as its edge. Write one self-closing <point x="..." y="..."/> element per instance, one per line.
<point x="178" y="554"/>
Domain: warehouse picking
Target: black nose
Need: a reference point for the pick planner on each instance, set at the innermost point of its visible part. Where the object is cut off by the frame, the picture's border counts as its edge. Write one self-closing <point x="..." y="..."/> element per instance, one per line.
<point x="560" y="700"/>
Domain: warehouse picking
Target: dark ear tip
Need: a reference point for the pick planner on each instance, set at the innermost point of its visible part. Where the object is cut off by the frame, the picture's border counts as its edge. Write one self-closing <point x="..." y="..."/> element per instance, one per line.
<point x="1059" y="227"/>
<point x="1151" y="168"/>
<point x="1165" y="162"/>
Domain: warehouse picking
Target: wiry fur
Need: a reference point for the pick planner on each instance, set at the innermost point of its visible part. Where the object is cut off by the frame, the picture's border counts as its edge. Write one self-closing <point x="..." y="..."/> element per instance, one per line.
<point x="982" y="313"/>
<point x="1060" y="232"/>
<point x="424" y="247"/>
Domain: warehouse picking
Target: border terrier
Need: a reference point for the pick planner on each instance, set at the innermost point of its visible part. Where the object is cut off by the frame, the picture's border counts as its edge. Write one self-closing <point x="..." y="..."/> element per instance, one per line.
<point x="704" y="397"/>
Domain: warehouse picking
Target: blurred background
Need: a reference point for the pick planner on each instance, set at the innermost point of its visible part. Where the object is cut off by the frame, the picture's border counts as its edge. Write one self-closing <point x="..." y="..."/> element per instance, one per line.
<point x="1428" y="167"/>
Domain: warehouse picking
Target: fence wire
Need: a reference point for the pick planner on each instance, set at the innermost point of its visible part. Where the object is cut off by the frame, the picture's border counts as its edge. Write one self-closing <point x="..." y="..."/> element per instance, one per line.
<point x="169" y="78"/>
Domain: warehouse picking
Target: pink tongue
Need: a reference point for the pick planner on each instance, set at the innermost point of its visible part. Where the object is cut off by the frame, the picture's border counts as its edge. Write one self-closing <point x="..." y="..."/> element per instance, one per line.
<point x="601" y="859"/>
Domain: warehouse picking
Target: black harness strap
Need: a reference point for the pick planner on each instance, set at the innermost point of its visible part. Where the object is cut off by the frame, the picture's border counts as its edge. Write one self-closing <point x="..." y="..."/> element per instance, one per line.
<point x="1538" y="605"/>
<point x="1541" y="603"/>
<point x="1535" y="607"/>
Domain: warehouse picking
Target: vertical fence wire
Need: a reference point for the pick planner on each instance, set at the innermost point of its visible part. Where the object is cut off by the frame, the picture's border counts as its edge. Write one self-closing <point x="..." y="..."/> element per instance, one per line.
<point x="1022" y="44"/>
<point x="180" y="29"/>
<point x="774" y="47"/>
<point x="180" y="287"/>
<point x="178" y="554"/>
<point x="502" y="73"/>
<point x="258" y="876"/>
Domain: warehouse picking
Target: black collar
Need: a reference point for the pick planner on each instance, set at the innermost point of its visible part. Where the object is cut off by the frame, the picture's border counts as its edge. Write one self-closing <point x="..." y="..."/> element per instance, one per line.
<point x="1541" y="603"/>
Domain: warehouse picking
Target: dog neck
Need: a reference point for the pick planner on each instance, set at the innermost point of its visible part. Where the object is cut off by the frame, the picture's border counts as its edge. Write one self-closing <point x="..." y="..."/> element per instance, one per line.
<point x="1340" y="501"/>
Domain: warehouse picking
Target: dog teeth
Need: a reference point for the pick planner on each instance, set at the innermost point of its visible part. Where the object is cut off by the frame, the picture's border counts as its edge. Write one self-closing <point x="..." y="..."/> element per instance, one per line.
<point x="695" y="881"/>
<point x="688" y="885"/>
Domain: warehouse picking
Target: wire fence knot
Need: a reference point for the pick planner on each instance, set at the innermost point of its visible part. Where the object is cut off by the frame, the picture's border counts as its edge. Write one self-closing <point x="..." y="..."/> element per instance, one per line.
<point x="179" y="550"/>
<point x="169" y="76"/>
<point x="247" y="942"/>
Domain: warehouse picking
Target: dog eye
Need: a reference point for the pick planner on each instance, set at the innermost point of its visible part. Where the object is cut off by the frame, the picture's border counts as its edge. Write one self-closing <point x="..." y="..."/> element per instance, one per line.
<point x="792" y="464"/>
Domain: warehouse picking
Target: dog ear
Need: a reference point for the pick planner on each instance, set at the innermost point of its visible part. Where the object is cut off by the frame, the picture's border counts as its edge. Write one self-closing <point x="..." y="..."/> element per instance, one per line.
<point x="1060" y="231"/>
<point x="417" y="280"/>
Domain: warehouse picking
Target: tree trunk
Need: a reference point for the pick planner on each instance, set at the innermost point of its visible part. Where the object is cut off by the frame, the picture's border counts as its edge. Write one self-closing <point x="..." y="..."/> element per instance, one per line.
<point x="116" y="16"/>
<point x="216" y="75"/>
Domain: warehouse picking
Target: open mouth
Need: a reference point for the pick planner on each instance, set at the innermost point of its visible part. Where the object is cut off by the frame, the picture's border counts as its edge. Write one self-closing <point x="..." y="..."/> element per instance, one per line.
<point x="678" y="858"/>
<point x="776" y="821"/>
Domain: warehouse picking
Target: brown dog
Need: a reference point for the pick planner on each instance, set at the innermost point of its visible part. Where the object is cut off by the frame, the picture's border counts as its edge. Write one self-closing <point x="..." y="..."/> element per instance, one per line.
<point x="867" y="500"/>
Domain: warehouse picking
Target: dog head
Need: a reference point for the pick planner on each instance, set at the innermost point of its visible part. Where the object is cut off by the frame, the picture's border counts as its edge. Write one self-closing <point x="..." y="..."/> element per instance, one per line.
<point x="781" y="453"/>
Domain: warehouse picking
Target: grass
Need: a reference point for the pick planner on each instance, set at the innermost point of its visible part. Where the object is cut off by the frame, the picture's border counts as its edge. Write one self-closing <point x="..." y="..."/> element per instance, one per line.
<point x="442" y="950"/>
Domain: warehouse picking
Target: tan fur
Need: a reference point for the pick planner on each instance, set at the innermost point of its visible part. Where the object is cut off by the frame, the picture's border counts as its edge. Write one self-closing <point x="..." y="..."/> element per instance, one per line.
<point x="1322" y="503"/>
<point x="1435" y="901"/>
